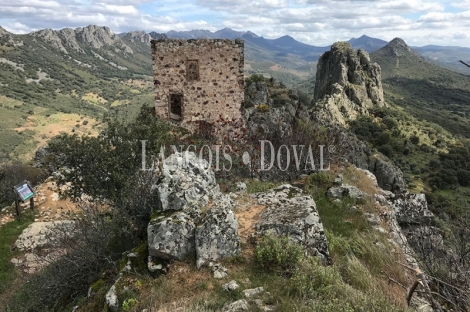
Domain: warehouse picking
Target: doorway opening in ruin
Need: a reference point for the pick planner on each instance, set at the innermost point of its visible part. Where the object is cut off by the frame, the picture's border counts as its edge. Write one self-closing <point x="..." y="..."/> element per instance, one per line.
<point x="176" y="106"/>
<point x="193" y="70"/>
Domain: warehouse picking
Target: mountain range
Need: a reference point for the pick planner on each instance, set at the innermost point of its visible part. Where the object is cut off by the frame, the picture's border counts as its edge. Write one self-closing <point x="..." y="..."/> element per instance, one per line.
<point x="443" y="55"/>
<point x="51" y="80"/>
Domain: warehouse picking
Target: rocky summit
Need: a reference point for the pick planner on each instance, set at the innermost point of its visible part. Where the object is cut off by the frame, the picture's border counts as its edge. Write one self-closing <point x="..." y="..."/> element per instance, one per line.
<point x="347" y="84"/>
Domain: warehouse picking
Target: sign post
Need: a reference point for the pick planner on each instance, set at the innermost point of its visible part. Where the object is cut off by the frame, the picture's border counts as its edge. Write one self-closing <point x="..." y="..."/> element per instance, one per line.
<point x="23" y="192"/>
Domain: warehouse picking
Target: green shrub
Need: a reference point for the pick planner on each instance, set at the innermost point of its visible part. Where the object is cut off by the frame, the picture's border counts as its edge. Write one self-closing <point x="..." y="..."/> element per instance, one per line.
<point x="278" y="254"/>
<point x="312" y="279"/>
<point x="129" y="303"/>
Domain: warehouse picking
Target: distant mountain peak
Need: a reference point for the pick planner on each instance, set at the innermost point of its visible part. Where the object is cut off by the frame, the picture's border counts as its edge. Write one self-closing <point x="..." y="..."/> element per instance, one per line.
<point x="398" y="47"/>
<point x="398" y="42"/>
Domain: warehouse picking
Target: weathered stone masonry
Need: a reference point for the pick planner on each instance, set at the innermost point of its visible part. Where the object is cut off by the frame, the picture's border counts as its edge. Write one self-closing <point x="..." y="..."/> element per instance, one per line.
<point x="198" y="79"/>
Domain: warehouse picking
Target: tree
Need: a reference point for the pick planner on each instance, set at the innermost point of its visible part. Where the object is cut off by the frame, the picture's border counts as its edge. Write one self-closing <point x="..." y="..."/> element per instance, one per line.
<point x="105" y="166"/>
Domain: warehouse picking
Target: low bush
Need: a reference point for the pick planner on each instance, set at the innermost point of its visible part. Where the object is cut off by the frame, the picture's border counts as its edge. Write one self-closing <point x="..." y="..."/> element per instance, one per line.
<point x="278" y="254"/>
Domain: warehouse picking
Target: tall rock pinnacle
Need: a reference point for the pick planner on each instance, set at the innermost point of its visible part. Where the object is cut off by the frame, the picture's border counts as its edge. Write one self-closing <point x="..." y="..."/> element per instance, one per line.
<point x="347" y="84"/>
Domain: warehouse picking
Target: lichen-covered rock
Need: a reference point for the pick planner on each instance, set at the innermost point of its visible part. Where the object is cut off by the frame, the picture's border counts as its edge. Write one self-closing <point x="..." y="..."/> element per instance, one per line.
<point x="187" y="186"/>
<point x="411" y="209"/>
<point x="241" y="187"/>
<point x="338" y="192"/>
<point x="248" y="293"/>
<point x="289" y="212"/>
<point x="217" y="236"/>
<point x="172" y="237"/>
<point x="232" y="285"/>
<point x="219" y="271"/>
<point x="187" y="180"/>
<point x="239" y="305"/>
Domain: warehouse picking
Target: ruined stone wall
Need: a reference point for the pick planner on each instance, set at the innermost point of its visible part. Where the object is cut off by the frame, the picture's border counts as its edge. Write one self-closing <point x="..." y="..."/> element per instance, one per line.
<point x="198" y="80"/>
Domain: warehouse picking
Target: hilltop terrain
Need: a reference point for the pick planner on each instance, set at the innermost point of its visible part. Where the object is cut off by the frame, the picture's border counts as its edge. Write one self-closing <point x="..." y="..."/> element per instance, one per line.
<point x="390" y="213"/>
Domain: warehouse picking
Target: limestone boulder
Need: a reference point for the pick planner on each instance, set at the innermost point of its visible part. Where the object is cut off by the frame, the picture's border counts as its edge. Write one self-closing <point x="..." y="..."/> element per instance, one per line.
<point x="339" y="192"/>
<point x="217" y="236"/>
<point x="290" y="212"/>
<point x="187" y="180"/>
<point x="194" y="218"/>
<point x="172" y="236"/>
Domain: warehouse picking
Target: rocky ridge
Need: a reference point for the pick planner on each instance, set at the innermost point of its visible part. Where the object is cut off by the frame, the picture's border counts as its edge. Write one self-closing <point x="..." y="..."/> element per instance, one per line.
<point x="93" y="36"/>
<point x="139" y="36"/>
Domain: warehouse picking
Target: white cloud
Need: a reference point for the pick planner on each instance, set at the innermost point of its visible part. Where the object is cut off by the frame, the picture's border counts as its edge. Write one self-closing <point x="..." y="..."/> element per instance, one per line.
<point x="115" y="9"/>
<point x="435" y="17"/>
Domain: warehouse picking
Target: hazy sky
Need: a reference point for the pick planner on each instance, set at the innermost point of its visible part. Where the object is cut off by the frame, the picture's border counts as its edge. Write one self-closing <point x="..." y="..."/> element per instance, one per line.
<point x="317" y="22"/>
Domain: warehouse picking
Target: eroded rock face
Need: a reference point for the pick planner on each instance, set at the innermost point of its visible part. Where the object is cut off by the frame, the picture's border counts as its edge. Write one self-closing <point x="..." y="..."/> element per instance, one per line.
<point x="51" y="37"/>
<point x="290" y="212"/>
<point x="347" y="84"/>
<point x="217" y="236"/>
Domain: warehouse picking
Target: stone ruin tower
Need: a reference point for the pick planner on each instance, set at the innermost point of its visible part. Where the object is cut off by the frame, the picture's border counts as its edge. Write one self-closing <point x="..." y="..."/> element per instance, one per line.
<point x="198" y="80"/>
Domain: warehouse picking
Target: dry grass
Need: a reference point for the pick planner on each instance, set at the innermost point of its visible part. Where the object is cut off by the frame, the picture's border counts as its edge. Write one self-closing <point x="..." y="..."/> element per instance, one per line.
<point x="358" y="178"/>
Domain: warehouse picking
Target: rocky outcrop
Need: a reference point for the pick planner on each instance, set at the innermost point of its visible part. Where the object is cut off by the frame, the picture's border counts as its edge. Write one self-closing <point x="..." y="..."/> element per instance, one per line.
<point x="70" y="40"/>
<point x="194" y="217"/>
<point x="389" y="177"/>
<point x="239" y="305"/>
<point x="275" y="121"/>
<point x="411" y="209"/>
<point x="187" y="181"/>
<point x="290" y="212"/>
<point x="111" y="298"/>
<point x="139" y="36"/>
<point x="51" y="37"/>
<point x="94" y="36"/>
<point x="347" y="84"/>
<point x="257" y="94"/>
<point x="43" y="234"/>
<point x="387" y="174"/>
<point x="398" y="47"/>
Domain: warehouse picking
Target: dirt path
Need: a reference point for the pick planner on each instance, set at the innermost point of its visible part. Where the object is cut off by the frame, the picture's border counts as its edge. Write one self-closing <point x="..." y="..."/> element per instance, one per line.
<point x="48" y="205"/>
<point x="247" y="213"/>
